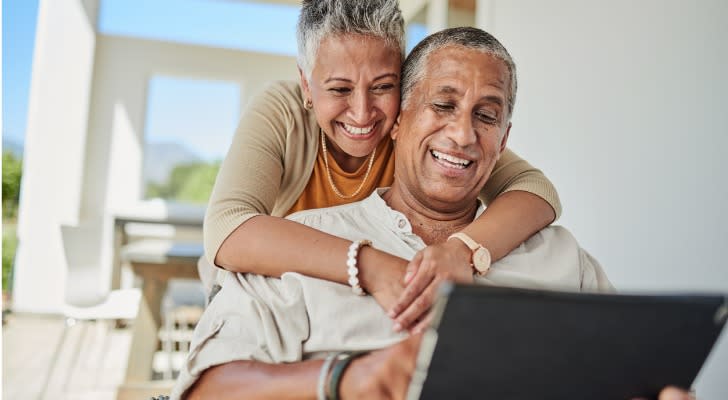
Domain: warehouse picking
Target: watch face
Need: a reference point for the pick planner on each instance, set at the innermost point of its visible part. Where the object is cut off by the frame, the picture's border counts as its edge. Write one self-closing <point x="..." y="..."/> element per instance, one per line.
<point x="481" y="260"/>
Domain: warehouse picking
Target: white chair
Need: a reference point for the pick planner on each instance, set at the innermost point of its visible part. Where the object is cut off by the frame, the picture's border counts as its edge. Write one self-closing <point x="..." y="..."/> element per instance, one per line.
<point x="86" y="299"/>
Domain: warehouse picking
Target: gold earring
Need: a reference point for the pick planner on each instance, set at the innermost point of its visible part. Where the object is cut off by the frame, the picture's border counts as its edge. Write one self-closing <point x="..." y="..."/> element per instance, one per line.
<point x="308" y="104"/>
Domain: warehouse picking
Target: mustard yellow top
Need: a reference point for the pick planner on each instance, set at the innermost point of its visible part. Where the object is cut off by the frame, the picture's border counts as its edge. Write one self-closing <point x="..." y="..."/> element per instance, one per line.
<point x="275" y="166"/>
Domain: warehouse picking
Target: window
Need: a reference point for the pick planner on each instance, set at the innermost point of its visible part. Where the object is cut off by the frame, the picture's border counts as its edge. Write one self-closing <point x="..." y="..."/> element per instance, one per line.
<point x="188" y="130"/>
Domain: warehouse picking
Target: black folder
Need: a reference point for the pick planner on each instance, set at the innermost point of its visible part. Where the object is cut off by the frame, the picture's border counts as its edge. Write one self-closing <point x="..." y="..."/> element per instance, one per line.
<point x="505" y="343"/>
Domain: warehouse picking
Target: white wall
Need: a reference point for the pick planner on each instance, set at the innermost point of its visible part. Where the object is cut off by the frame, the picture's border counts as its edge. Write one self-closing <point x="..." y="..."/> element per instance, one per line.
<point x="623" y="105"/>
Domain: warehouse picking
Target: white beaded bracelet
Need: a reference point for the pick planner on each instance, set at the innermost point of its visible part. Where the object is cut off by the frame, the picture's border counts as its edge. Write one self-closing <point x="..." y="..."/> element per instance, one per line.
<point x="352" y="270"/>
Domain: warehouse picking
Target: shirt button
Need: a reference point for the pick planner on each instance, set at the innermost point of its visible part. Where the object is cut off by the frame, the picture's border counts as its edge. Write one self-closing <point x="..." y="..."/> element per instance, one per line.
<point x="401" y="224"/>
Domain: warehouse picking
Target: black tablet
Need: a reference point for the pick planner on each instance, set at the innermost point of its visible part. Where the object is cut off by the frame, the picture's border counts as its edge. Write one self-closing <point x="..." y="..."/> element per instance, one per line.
<point x="504" y="343"/>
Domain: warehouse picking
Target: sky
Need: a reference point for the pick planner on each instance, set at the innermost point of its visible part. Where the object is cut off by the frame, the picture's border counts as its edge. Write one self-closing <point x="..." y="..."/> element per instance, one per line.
<point x="228" y="24"/>
<point x="18" y="18"/>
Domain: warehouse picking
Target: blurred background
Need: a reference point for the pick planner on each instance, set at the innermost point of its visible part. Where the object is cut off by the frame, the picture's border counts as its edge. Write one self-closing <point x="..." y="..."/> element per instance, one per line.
<point x="116" y="114"/>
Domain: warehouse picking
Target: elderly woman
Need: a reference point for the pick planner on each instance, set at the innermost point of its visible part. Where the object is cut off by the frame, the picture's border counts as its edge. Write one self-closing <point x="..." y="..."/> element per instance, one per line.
<point x="326" y="142"/>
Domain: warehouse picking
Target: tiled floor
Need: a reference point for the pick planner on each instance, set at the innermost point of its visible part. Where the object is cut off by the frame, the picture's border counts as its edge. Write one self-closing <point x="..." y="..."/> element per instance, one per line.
<point x="90" y="364"/>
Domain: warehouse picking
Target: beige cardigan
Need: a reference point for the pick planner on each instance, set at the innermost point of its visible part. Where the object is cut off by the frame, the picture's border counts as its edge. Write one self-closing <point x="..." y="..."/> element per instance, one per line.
<point x="272" y="156"/>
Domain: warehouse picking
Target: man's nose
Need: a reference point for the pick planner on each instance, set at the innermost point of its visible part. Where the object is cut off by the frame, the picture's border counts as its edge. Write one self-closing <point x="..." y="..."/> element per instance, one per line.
<point x="461" y="131"/>
<point x="361" y="107"/>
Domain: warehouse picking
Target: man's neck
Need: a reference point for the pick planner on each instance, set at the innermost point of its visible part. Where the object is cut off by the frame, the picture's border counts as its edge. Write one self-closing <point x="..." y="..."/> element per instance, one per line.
<point x="431" y="223"/>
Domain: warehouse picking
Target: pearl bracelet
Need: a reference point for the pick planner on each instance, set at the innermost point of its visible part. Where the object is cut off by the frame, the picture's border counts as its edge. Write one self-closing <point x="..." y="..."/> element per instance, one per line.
<point x="351" y="269"/>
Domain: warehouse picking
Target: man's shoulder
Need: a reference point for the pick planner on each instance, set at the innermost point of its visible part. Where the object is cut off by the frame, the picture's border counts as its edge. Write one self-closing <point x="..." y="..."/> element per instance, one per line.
<point x="316" y="214"/>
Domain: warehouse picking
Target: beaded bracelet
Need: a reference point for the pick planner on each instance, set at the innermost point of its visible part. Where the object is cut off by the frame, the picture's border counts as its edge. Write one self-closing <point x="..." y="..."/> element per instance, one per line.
<point x="351" y="262"/>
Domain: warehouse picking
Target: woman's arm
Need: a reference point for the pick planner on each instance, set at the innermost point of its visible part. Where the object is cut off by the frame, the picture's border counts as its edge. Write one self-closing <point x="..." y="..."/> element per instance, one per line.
<point x="256" y="180"/>
<point x="271" y="246"/>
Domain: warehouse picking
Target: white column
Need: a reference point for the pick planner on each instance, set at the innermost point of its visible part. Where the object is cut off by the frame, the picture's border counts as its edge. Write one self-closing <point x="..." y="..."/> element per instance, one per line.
<point x="54" y="149"/>
<point x="484" y="18"/>
<point x="437" y="13"/>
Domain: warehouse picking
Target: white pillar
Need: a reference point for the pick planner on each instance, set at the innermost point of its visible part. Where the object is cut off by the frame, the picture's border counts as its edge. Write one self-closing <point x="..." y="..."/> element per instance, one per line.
<point x="484" y="18"/>
<point x="437" y="13"/>
<point x="54" y="149"/>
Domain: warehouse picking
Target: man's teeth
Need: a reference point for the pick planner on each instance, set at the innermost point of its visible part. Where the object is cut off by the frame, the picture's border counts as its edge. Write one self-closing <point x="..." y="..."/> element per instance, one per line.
<point x="454" y="161"/>
<point x="358" y="131"/>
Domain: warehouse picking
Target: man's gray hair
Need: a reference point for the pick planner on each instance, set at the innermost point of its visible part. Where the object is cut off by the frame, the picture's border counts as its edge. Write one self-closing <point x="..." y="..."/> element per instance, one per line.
<point x="320" y="19"/>
<point x="413" y="68"/>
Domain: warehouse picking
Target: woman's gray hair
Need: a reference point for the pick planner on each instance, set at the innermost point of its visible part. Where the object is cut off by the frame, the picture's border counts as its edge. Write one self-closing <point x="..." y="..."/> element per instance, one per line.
<point x="320" y="19"/>
<point x="413" y="68"/>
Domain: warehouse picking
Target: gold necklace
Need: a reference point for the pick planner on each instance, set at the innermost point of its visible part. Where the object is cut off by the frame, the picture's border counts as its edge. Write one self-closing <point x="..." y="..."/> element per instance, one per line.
<point x="331" y="180"/>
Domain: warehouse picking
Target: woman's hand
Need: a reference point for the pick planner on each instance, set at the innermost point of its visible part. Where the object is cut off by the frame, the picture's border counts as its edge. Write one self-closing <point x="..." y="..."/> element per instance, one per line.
<point x="430" y="266"/>
<point x="381" y="275"/>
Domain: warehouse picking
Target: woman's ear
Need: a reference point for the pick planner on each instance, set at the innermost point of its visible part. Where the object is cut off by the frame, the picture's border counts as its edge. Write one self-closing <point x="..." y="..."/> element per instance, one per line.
<point x="395" y="129"/>
<point x="304" y="85"/>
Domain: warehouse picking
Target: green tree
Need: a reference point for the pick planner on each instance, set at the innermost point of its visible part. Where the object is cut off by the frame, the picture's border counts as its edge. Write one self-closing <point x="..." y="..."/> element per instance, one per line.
<point x="189" y="183"/>
<point x="12" y="172"/>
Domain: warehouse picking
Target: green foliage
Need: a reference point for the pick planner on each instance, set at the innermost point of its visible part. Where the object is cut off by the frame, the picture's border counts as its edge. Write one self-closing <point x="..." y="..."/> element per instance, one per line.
<point x="10" y="242"/>
<point x="12" y="172"/>
<point x="189" y="183"/>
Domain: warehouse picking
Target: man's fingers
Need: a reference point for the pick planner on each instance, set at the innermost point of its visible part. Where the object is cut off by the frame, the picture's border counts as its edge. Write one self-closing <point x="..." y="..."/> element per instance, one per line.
<point x="673" y="393"/>
<point x="417" y="308"/>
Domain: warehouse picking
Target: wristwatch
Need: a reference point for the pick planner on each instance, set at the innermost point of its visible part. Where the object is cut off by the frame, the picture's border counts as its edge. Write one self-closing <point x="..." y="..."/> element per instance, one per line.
<point x="481" y="256"/>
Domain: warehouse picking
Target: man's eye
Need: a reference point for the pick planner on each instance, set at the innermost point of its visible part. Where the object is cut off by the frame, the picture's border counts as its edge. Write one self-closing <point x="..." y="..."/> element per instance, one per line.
<point x="443" y="107"/>
<point x="486" y="118"/>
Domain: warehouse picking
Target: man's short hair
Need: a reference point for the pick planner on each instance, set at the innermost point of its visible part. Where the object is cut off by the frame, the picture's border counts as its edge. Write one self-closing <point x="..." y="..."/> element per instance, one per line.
<point x="320" y="19"/>
<point x="413" y="68"/>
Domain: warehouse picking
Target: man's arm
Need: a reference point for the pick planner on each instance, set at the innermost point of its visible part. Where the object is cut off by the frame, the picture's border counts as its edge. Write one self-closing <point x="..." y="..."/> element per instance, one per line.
<point x="381" y="374"/>
<point x="257" y="380"/>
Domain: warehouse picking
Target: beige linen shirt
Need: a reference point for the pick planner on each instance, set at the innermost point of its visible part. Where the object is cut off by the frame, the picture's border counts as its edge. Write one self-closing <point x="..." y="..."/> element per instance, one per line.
<point x="298" y="317"/>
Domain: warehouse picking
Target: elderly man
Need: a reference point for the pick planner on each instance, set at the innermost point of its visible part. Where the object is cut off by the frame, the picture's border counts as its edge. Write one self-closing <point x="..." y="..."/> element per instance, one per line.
<point x="269" y="338"/>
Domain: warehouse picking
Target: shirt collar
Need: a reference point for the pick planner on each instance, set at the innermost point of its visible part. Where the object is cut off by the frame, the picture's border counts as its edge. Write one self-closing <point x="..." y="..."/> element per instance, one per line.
<point x="392" y="219"/>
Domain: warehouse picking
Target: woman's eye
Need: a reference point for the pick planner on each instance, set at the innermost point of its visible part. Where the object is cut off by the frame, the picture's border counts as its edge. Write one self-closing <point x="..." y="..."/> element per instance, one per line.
<point x="340" y="90"/>
<point x="383" y="88"/>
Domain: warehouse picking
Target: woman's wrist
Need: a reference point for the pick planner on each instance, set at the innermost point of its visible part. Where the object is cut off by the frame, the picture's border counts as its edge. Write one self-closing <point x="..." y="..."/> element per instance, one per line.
<point x="377" y="268"/>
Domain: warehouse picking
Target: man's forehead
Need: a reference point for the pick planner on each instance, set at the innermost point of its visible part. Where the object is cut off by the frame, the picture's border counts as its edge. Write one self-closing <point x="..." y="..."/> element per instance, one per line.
<point x="450" y="68"/>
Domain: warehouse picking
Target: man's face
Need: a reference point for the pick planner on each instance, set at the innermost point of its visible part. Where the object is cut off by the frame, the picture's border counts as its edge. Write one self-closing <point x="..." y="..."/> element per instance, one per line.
<point x="453" y="128"/>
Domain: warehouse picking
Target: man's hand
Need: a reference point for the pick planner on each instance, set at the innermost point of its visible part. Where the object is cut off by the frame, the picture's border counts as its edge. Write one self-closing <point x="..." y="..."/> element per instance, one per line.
<point x="673" y="393"/>
<point x="430" y="267"/>
<point x="382" y="374"/>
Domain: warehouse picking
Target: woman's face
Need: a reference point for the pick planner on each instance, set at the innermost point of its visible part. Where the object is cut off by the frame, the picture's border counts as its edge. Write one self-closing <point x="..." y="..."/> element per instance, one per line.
<point x="354" y="87"/>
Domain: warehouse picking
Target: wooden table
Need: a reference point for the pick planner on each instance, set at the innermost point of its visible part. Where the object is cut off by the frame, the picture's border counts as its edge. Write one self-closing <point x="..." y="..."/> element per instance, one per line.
<point x="155" y="261"/>
<point x="152" y="212"/>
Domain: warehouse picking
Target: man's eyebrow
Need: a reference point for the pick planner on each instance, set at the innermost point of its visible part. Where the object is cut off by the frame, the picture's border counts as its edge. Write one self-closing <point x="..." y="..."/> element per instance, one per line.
<point x="386" y="75"/>
<point x="494" y="99"/>
<point x="446" y="89"/>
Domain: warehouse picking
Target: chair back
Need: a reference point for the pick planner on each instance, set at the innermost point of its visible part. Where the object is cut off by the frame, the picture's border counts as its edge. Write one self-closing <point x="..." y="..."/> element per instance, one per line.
<point x="84" y="284"/>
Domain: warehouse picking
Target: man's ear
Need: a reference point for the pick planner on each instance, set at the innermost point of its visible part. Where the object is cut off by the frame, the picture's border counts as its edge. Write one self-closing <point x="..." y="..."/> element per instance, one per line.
<point x="395" y="129"/>
<point x="304" y="85"/>
<point x="505" y="138"/>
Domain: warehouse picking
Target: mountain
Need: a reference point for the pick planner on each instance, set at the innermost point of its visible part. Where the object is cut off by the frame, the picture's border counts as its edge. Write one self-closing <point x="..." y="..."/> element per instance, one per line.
<point x="13" y="146"/>
<point x="161" y="158"/>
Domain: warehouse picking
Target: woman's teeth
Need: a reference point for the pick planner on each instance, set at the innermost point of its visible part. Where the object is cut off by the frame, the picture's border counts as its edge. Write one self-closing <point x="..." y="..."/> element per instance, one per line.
<point x="358" y="131"/>
<point x="451" y="160"/>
